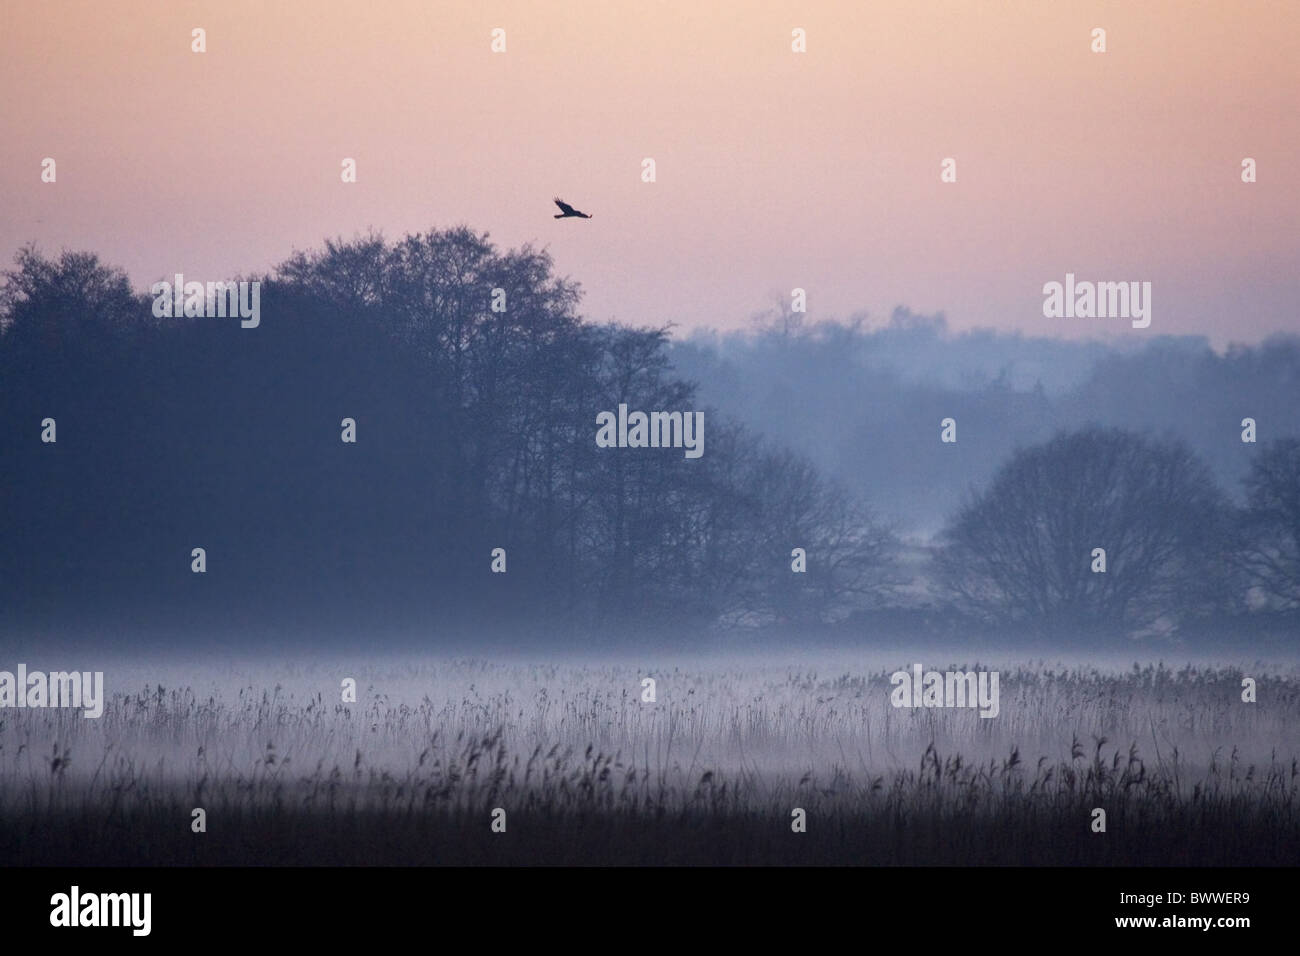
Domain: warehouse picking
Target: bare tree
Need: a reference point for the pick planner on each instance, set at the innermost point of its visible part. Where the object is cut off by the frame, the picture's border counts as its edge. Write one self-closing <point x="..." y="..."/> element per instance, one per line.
<point x="1272" y="556"/>
<point x="847" y="552"/>
<point x="1023" y="550"/>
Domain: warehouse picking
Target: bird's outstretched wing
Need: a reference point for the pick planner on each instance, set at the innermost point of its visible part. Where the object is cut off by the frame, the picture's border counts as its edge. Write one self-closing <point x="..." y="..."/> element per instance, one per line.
<point x="565" y="207"/>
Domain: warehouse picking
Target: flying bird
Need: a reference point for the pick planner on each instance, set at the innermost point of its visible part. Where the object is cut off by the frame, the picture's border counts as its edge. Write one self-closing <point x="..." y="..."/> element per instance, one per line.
<point x="567" y="211"/>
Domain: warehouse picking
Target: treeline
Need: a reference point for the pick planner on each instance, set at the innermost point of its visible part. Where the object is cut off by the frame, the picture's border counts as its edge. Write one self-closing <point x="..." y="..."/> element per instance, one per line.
<point x="474" y="430"/>
<point x="862" y="399"/>
<point x="473" y="387"/>
<point x="1106" y="532"/>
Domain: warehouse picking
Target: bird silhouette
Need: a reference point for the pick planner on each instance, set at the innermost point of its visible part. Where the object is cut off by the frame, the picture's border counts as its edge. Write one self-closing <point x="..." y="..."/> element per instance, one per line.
<point x="567" y="211"/>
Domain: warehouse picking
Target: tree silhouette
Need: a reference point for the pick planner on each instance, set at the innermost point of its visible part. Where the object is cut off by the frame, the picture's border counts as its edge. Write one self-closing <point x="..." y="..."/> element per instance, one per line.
<point x="1021" y="551"/>
<point x="1272" y="557"/>
<point x="475" y="387"/>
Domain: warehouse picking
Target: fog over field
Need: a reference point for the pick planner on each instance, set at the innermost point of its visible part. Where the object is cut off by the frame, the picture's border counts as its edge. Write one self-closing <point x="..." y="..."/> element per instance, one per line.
<point x="735" y="737"/>
<point x="815" y="712"/>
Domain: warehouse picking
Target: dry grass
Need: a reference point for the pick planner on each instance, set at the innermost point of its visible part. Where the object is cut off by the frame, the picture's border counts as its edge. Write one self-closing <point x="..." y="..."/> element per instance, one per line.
<point x="708" y="774"/>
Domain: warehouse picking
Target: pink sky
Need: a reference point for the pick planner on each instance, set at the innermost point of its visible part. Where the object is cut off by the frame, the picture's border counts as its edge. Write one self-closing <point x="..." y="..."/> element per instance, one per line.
<point x="775" y="169"/>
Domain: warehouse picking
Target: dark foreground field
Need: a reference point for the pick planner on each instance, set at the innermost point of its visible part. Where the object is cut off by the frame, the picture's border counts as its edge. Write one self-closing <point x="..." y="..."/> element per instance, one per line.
<point x="288" y="838"/>
<point x="591" y="811"/>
